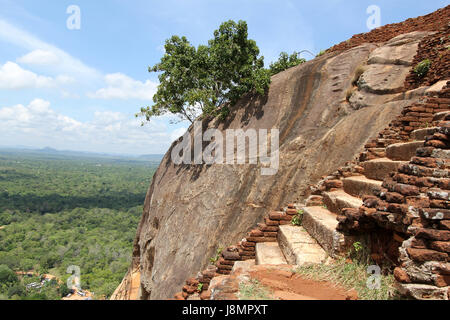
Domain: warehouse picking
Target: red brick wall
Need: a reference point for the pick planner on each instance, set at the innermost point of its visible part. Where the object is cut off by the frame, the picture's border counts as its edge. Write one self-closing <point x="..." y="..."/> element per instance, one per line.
<point x="434" y="21"/>
<point x="434" y="48"/>
<point x="266" y="231"/>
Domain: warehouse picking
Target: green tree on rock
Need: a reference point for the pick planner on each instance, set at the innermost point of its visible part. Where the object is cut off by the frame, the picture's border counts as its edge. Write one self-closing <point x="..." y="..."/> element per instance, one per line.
<point x="285" y="62"/>
<point x="207" y="79"/>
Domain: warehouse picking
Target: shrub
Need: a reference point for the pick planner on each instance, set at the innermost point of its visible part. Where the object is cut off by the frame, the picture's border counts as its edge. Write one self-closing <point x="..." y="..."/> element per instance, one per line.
<point x="358" y="73"/>
<point x="422" y="68"/>
<point x="217" y="256"/>
<point x="349" y="94"/>
<point x="285" y="62"/>
<point x="321" y="53"/>
<point x="298" y="218"/>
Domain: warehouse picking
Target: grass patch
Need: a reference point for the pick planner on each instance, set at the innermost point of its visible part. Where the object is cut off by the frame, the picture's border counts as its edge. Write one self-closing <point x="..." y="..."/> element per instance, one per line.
<point x="352" y="273"/>
<point x="350" y="93"/>
<point x="216" y="257"/>
<point x="254" y="290"/>
<point x="422" y="68"/>
<point x="358" y="73"/>
<point x="321" y="53"/>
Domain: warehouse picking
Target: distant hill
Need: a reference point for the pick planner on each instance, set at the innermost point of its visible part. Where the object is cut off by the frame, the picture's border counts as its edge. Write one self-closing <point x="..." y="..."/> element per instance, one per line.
<point x="54" y="153"/>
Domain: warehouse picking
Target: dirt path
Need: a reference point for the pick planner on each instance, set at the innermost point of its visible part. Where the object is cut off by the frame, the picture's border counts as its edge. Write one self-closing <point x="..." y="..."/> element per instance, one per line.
<point x="287" y="285"/>
<point x="279" y="282"/>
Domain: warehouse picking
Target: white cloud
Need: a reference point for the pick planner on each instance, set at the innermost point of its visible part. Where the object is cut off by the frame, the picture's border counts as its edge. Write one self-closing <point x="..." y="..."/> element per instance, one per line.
<point x="38" y="125"/>
<point x="63" y="69"/>
<point x="12" y="76"/>
<point x="66" y="64"/>
<point x="121" y="86"/>
<point x="39" y="57"/>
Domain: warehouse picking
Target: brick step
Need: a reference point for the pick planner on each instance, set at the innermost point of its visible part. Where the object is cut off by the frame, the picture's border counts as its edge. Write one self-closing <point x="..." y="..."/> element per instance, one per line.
<point x="379" y="169"/>
<point x="338" y="200"/>
<point x="269" y="253"/>
<point x="421" y="134"/>
<point x="360" y="186"/>
<point x="321" y="224"/>
<point x="403" y="151"/>
<point x="441" y="115"/>
<point x="299" y="247"/>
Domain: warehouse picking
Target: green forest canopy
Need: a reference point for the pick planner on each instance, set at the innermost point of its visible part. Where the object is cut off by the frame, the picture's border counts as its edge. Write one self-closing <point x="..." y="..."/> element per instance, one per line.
<point x="61" y="211"/>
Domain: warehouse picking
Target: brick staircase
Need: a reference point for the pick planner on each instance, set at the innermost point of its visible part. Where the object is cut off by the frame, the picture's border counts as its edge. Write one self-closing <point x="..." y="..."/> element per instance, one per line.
<point x="336" y="197"/>
<point x="319" y="237"/>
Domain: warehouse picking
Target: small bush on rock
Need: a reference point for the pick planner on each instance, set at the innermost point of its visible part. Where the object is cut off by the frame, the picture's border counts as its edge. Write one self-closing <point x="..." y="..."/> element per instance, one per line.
<point x="422" y="68"/>
<point x="285" y="62"/>
<point x="321" y="53"/>
<point x="298" y="218"/>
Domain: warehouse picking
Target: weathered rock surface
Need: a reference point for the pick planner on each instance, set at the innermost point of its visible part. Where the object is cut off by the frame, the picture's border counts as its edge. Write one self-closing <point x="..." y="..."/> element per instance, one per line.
<point x="191" y="210"/>
<point x="383" y="79"/>
<point x="399" y="50"/>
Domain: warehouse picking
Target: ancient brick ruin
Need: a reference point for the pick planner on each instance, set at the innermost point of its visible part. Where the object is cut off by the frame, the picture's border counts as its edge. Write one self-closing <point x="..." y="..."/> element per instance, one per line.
<point x="402" y="181"/>
<point x="391" y="193"/>
<point x="431" y="22"/>
<point x="413" y="203"/>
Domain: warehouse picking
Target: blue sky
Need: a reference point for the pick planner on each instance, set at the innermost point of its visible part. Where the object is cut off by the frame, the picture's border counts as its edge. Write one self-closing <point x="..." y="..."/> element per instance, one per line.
<point x="80" y="89"/>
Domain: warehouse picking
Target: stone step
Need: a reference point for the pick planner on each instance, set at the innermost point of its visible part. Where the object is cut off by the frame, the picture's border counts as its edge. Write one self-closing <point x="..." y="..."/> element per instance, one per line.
<point x="338" y="200"/>
<point x="299" y="247"/>
<point x="421" y="134"/>
<point x="441" y="115"/>
<point x="360" y="186"/>
<point x="379" y="169"/>
<point x="321" y="225"/>
<point x="269" y="253"/>
<point x="403" y="151"/>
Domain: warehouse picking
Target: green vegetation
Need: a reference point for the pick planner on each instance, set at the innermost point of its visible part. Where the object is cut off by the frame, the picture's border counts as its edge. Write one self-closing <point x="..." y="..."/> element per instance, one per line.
<point x="351" y="272"/>
<point x="58" y="211"/>
<point x="254" y="290"/>
<point x="298" y="218"/>
<point x="214" y="259"/>
<point x="422" y="68"/>
<point x="18" y="288"/>
<point x="321" y="53"/>
<point x="204" y="80"/>
<point x="285" y="62"/>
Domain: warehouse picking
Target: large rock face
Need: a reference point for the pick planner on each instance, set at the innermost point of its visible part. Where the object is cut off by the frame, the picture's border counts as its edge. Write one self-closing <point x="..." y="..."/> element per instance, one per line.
<point x="191" y="210"/>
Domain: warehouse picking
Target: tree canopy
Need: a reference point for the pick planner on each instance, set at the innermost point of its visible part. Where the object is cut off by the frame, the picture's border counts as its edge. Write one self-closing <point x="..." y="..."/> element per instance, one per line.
<point x="206" y="79"/>
<point x="57" y="211"/>
<point x="285" y="62"/>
